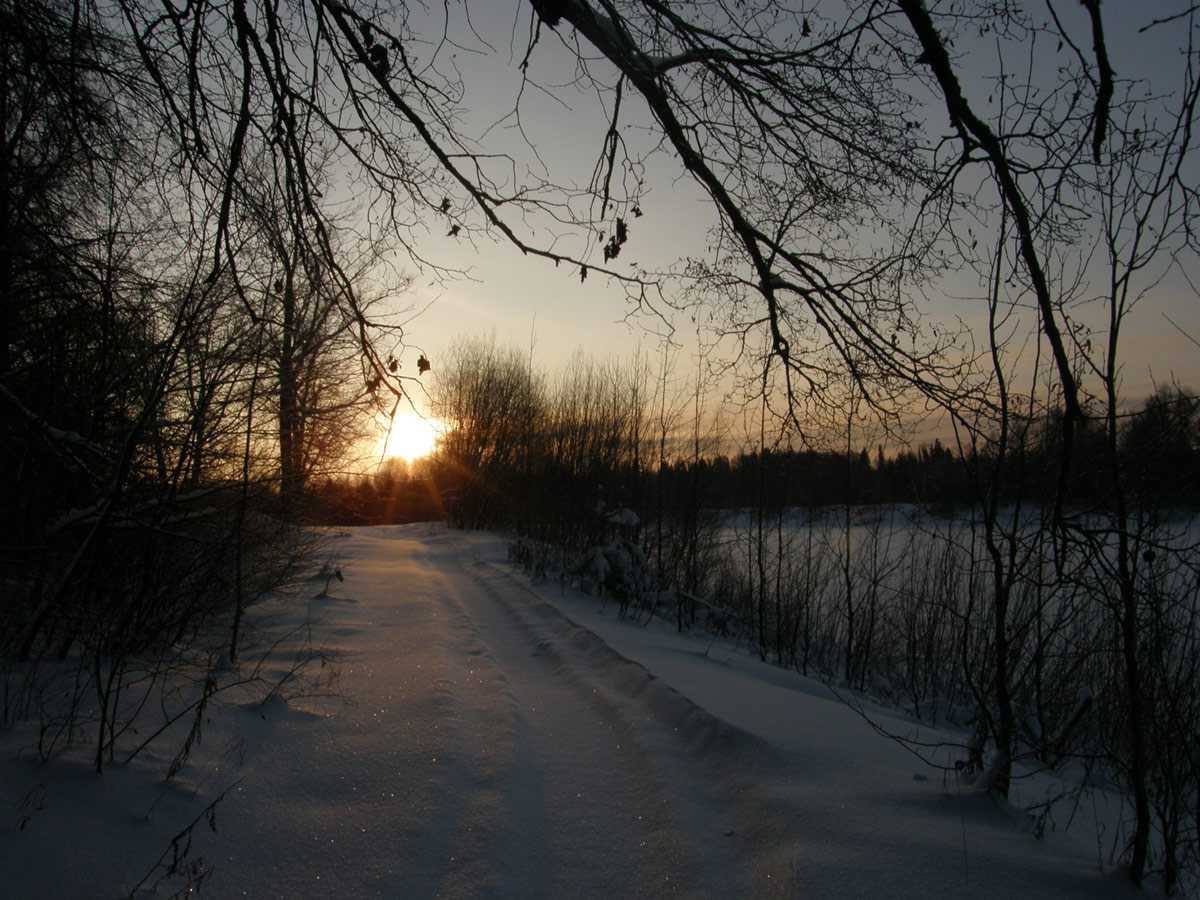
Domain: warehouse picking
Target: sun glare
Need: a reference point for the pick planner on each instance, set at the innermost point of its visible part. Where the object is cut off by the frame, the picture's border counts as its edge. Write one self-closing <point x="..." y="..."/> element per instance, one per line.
<point x="411" y="436"/>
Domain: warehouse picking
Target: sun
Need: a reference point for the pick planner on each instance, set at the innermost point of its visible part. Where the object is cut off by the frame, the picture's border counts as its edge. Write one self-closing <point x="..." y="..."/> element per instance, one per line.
<point x="411" y="436"/>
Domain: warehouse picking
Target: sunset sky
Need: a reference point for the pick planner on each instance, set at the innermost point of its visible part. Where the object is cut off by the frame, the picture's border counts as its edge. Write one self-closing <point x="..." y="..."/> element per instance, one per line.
<point x="529" y="302"/>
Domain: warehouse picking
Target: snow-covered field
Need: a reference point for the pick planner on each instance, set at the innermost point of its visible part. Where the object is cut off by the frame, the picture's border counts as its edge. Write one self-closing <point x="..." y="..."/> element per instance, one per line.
<point x="486" y="737"/>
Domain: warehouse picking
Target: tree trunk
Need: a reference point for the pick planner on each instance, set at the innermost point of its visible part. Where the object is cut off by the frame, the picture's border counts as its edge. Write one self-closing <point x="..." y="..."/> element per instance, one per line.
<point x="291" y="425"/>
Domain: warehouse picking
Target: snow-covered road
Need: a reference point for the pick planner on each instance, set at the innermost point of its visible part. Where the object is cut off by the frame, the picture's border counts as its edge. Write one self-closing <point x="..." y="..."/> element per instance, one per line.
<point x="498" y="739"/>
<point x="488" y="753"/>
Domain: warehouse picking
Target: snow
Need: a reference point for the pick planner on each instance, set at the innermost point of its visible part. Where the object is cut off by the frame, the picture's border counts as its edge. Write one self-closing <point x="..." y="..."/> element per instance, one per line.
<point x="623" y="517"/>
<point x="490" y="737"/>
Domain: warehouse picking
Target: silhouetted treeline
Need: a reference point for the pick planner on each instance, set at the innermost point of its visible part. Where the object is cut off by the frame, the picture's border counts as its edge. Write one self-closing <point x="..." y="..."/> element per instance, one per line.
<point x="562" y="467"/>
<point x="396" y="494"/>
<point x="798" y="478"/>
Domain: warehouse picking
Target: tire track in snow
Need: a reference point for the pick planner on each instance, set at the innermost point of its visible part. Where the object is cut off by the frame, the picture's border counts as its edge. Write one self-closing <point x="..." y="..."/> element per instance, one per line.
<point x="445" y="848"/>
<point x="601" y="798"/>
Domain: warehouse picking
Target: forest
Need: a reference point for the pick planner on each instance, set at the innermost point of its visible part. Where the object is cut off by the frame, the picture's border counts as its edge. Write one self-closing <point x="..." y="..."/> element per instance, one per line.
<point x="1159" y="447"/>
<point x="211" y="216"/>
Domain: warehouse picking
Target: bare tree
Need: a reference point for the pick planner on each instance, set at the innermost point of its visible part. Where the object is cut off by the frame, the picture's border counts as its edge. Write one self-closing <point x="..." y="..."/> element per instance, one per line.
<point x="1092" y="195"/>
<point x="492" y="405"/>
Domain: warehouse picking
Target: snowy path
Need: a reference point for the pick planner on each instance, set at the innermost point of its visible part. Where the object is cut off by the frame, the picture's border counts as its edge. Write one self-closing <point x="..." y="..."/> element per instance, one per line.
<point x="484" y="757"/>
<point x="491" y="746"/>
